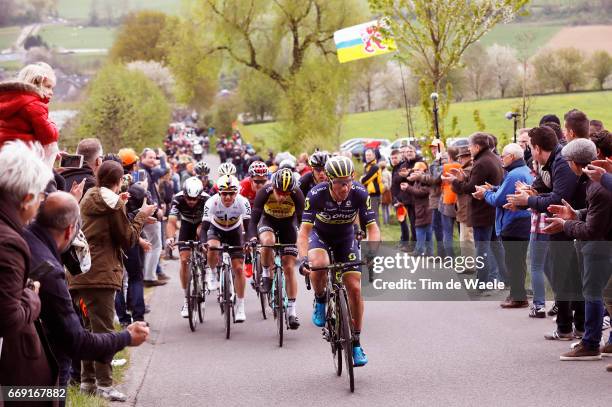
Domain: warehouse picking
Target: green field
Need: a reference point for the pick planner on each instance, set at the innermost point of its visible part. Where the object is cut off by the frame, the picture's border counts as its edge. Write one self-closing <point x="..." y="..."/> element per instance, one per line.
<point x="8" y="35"/>
<point x="80" y="9"/>
<point x="391" y="124"/>
<point x="508" y="34"/>
<point x="74" y="37"/>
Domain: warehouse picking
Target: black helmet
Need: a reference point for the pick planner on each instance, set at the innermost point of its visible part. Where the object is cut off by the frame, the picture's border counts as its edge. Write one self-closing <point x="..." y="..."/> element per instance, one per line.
<point x="339" y="167"/>
<point x="284" y="180"/>
<point x="318" y="159"/>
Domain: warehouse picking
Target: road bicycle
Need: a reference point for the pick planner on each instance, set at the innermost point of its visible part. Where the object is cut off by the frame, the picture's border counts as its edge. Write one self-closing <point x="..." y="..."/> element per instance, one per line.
<point x="195" y="293"/>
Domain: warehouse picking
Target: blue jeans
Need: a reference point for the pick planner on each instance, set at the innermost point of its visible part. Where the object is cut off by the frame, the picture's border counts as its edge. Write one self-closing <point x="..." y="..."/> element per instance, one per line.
<point x="424" y="243"/>
<point x="538" y="250"/>
<point x="499" y="256"/>
<point x="436" y="224"/>
<point x="596" y="273"/>
<point x="482" y="242"/>
<point x="447" y="232"/>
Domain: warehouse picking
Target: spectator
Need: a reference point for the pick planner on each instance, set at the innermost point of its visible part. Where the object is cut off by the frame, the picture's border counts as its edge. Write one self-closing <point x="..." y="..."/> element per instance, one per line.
<point x="302" y="166"/>
<point x="522" y="138"/>
<point x="91" y="150"/>
<point x="432" y="178"/>
<point x="386" y="198"/>
<point x="592" y="227"/>
<point x="447" y="206"/>
<point x="24" y="110"/>
<point x="372" y="180"/>
<point x="152" y="231"/>
<point x="23" y="358"/>
<point x="576" y="125"/>
<point x="103" y="214"/>
<point x="558" y="132"/>
<point x="466" y="233"/>
<point x="565" y="277"/>
<point x="550" y="118"/>
<point x="511" y="226"/>
<point x="409" y="158"/>
<point x="486" y="169"/>
<point x="420" y="192"/>
<point x="603" y="142"/>
<point x="595" y="126"/>
<point x="56" y="225"/>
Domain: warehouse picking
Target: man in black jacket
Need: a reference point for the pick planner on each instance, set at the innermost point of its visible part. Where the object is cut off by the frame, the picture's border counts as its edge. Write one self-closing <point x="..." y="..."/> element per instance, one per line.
<point x="91" y="150"/>
<point x="55" y="227"/>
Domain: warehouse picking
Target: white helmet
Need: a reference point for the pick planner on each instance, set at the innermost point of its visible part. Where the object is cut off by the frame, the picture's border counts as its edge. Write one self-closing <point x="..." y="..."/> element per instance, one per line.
<point x="228" y="183"/>
<point x="227" y="169"/>
<point x="287" y="163"/>
<point x="193" y="187"/>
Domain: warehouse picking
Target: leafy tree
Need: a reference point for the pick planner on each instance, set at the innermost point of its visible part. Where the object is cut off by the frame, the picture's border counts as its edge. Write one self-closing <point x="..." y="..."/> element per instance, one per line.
<point x="563" y="69"/>
<point x="600" y="66"/>
<point x="140" y="37"/>
<point x="124" y="109"/>
<point x="157" y="73"/>
<point x="259" y="94"/>
<point x="432" y="35"/>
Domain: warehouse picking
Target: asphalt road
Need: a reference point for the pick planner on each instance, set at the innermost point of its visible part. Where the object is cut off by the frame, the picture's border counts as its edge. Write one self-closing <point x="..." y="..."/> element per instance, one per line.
<point x="421" y="353"/>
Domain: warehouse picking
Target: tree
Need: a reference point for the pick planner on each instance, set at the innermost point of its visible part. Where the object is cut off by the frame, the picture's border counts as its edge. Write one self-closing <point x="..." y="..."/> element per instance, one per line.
<point x="140" y="37"/>
<point x="432" y="35"/>
<point x="504" y="66"/>
<point x="226" y="112"/>
<point x="600" y="66"/>
<point x="156" y="73"/>
<point x="563" y="69"/>
<point x="124" y="109"/>
<point x="281" y="40"/>
<point x="368" y="77"/>
<point x="526" y="74"/>
<point x="94" y="18"/>
<point x="478" y="70"/>
<point x="259" y="94"/>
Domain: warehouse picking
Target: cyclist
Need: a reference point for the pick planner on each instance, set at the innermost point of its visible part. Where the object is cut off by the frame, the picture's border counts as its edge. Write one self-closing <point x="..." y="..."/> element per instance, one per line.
<point x="188" y="205"/>
<point x="226" y="169"/>
<point x="202" y="170"/>
<point x="226" y="215"/>
<point x="330" y="210"/>
<point x="317" y="162"/>
<point x="279" y="205"/>
<point x="258" y="177"/>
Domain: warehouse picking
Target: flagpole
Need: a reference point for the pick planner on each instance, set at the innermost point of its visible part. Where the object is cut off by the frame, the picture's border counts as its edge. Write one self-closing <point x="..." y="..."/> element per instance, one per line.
<point x="406" y="107"/>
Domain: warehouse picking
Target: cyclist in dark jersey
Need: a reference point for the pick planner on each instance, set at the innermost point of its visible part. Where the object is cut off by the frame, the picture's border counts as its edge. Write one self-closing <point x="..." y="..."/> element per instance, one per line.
<point x="188" y="206"/>
<point x="279" y="206"/>
<point x="202" y="170"/>
<point x="330" y="210"/>
<point x="317" y="162"/>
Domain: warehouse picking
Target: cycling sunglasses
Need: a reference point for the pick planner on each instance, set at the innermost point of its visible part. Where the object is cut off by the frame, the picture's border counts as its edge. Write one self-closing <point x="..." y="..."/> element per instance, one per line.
<point x="260" y="181"/>
<point x="228" y="193"/>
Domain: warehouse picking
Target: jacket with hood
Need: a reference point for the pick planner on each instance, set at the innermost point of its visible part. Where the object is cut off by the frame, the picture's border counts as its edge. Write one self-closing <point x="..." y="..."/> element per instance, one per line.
<point x="109" y="233"/>
<point x="24" y="114"/>
<point x="77" y="175"/>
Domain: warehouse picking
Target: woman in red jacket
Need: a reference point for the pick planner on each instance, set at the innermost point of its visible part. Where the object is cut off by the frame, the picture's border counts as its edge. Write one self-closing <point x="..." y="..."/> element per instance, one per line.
<point x="24" y="109"/>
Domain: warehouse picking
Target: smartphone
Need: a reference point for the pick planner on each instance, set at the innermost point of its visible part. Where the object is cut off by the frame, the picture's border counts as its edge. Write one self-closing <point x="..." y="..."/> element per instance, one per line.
<point x="71" y="161"/>
<point x="139" y="176"/>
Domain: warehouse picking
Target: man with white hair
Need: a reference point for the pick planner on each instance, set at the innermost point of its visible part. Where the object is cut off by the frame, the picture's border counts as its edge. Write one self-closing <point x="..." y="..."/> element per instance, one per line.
<point x="23" y="179"/>
<point x="511" y="226"/>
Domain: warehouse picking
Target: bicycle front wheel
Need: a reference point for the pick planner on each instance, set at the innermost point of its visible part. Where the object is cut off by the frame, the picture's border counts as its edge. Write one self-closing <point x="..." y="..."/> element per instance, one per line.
<point x="227" y="300"/>
<point x="190" y="294"/>
<point x="346" y="337"/>
<point x="263" y="297"/>
<point x="201" y="297"/>
<point x="279" y="304"/>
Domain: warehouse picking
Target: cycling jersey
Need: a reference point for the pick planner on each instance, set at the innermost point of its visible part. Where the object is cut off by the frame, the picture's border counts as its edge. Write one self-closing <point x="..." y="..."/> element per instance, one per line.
<point x="224" y="218"/>
<point x="247" y="191"/>
<point x="336" y="218"/>
<point x="307" y="182"/>
<point x="186" y="213"/>
<point x="267" y="205"/>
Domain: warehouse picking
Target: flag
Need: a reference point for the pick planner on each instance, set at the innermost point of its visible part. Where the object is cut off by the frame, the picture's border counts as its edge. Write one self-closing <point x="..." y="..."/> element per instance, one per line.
<point x="362" y="41"/>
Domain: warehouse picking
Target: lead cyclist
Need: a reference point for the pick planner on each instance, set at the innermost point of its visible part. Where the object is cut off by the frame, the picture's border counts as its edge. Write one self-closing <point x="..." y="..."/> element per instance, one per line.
<point x="330" y="210"/>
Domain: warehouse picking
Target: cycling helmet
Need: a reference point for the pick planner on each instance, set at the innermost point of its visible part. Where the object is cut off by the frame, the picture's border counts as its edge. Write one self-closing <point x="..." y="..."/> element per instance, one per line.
<point x="318" y="159"/>
<point x="339" y="167"/>
<point x="284" y="180"/>
<point x="202" y="168"/>
<point x="228" y="183"/>
<point x="193" y="187"/>
<point x="227" y="169"/>
<point x="287" y="163"/>
<point x="258" y="169"/>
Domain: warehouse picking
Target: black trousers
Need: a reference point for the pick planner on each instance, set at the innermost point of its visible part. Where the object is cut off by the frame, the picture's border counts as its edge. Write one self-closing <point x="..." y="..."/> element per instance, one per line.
<point x="515" y="249"/>
<point x="567" y="284"/>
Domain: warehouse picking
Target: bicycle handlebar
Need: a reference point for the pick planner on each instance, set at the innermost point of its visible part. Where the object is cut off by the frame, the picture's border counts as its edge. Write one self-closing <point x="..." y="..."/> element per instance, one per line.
<point x="339" y="266"/>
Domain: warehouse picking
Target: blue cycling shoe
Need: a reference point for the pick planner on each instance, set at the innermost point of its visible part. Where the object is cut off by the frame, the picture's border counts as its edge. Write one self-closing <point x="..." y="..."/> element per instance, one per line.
<point x="318" y="315"/>
<point x="359" y="356"/>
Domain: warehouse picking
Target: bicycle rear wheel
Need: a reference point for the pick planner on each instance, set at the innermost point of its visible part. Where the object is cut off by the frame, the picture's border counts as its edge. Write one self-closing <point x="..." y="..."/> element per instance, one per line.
<point x="227" y="300"/>
<point x="201" y="297"/>
<point x="279" y="303"/>
<point x="346" y="336"/>
<point x="334" y="335"/>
